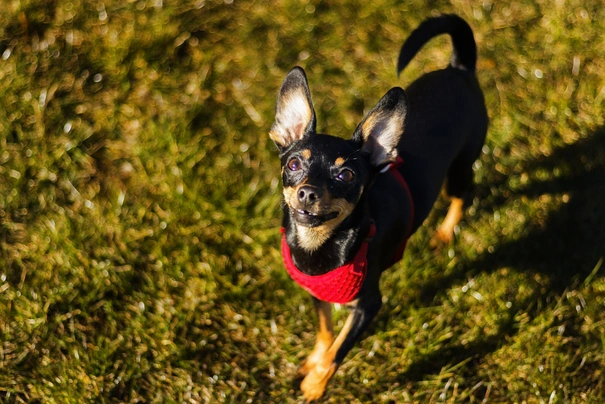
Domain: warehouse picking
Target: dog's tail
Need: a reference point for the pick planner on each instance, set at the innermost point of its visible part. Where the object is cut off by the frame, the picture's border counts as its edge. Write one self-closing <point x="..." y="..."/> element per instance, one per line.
<point x="464" y="56"/>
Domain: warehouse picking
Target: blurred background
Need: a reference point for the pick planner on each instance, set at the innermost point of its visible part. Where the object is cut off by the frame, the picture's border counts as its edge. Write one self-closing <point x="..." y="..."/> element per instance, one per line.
<point x="140" y="204"/>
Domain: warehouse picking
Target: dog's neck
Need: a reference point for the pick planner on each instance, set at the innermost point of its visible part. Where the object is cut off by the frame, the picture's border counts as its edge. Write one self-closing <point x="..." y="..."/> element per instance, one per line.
<point x="318" y="250"/>
<point x="311" y="238"/>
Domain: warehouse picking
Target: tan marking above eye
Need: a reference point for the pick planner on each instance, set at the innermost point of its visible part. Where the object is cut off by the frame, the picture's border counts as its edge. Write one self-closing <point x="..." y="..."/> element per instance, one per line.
<point x="339" y="161"/>
<point x="306" y="154"/>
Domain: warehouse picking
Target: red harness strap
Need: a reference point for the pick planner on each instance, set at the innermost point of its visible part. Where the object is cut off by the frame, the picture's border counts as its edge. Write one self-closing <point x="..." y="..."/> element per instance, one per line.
<point x="392" y="169"/>
<point x="342" y="284"/>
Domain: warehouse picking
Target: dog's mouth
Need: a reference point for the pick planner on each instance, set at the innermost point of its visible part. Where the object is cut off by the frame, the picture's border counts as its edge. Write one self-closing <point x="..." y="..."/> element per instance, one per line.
<point x="312" y="219"/>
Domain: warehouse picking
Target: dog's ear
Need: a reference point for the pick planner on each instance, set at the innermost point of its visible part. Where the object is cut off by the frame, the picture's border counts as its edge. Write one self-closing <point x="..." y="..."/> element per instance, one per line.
<point x="294" y="114"/>
<point x="379" y="132"/>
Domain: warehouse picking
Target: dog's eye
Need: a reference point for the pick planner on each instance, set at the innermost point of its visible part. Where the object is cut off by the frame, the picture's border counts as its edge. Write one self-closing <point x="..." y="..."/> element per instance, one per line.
<point x="346" y="175"/>
<point x="294" y="164"/>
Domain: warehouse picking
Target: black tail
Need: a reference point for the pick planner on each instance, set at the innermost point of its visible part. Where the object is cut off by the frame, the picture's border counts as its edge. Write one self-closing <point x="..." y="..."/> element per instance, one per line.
<point x="464" y="55"/>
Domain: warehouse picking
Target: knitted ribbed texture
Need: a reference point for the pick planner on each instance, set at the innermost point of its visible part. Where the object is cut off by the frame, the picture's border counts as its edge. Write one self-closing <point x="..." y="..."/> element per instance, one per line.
<point x="341" y="284"/>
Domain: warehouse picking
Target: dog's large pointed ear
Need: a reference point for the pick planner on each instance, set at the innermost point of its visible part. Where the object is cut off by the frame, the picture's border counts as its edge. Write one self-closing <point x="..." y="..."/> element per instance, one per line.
<point x="294" y="114"/>
<point x="379" y="132"/>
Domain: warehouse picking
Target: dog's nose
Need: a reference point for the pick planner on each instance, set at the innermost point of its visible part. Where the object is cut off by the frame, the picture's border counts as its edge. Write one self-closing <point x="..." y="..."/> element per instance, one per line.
<point x="308" y="194"/>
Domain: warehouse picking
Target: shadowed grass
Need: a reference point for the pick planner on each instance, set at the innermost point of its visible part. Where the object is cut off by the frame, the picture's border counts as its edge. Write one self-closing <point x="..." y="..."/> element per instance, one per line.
<point x="139" y="205"/>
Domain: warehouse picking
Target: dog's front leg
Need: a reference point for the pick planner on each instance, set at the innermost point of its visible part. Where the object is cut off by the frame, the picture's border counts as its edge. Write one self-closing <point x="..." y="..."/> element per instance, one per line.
<point x="363" y="311"/>
<point x="325" y="337"/>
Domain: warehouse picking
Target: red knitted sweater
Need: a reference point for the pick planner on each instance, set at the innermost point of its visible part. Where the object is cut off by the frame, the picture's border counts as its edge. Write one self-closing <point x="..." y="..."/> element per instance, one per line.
<point x="341" y="284"/>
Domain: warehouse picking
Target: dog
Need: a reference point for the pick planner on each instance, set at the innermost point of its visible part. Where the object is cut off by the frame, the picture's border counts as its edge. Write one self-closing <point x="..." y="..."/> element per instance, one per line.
<point x="350" y="205"/>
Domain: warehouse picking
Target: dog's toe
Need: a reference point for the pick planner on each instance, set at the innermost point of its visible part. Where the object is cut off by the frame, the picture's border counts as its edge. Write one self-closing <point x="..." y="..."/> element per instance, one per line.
<point x="304" y="369"/>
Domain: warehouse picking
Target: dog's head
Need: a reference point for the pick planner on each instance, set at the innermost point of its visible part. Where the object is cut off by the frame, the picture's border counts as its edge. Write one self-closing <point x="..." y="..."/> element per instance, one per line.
<point x="325" y="176"/>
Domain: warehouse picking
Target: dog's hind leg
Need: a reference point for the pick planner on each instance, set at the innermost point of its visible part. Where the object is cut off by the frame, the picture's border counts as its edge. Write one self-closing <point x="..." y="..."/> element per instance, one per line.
<point x="459" y="187"/>
<point x="445" y="231"/>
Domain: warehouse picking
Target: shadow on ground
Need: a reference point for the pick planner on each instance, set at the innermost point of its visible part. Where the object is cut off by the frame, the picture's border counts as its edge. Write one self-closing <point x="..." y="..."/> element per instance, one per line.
<point x="564" y="248"/>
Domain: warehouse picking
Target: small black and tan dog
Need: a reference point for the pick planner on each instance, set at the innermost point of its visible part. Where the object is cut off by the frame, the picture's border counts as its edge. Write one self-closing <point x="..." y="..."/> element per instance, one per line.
<point x="350" y="205"/>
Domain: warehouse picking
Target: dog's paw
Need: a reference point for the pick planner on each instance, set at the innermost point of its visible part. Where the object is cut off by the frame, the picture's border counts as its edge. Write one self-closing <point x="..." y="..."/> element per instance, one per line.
<point x="445" y="232"/>
<point x="305" y="368"/>
<point x="442" y="237"/>
<point x="314" y="384"/>
<point x="318" y="355"/>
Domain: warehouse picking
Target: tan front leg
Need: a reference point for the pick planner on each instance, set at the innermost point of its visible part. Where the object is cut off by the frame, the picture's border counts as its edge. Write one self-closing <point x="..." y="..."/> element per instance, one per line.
<point x="325" y="337"/>
<point x="445" y="232"/>
<point x="314" y="384"/>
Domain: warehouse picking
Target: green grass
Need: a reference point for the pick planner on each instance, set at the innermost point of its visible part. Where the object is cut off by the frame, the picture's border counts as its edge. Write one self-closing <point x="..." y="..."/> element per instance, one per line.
<point x="139" y="204"/>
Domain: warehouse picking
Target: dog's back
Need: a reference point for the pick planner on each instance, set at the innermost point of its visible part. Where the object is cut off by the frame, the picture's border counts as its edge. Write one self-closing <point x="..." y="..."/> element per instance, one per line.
<point x="447" y="120"/>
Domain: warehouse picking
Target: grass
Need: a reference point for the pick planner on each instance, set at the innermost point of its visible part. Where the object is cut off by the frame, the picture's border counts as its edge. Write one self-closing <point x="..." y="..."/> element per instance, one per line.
<point x="139" y="204"/>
